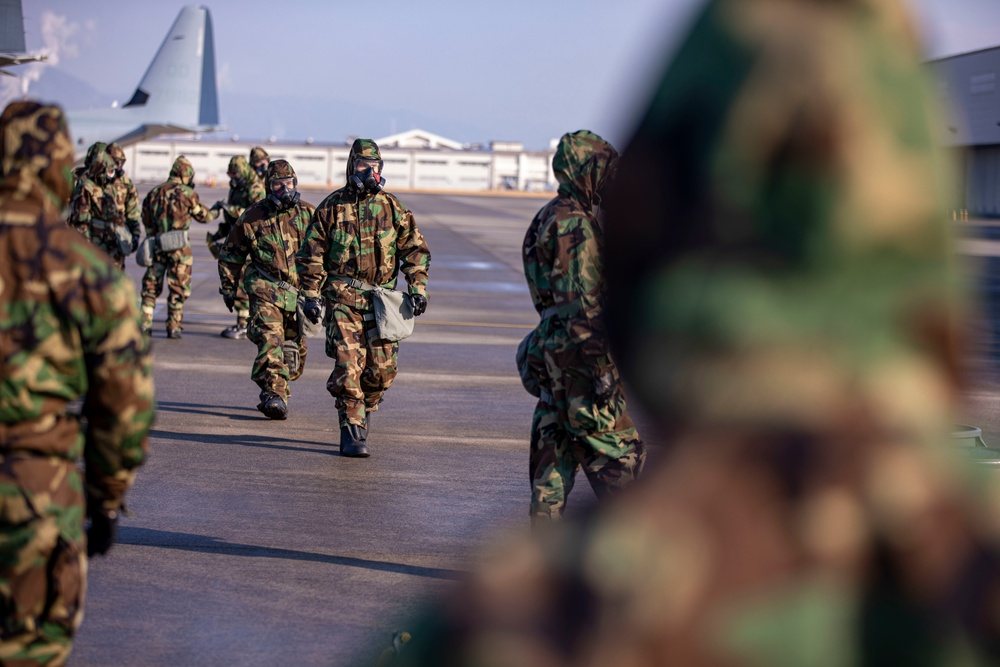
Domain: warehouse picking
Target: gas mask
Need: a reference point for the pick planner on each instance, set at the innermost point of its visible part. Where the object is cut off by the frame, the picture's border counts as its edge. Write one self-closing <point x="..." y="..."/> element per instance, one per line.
<point x="236" y="182"/>
<point x="366" y="176"/>
<point x="283" y="193"/>
<point x="260" y="168"/>
<point x="119" y="170"/>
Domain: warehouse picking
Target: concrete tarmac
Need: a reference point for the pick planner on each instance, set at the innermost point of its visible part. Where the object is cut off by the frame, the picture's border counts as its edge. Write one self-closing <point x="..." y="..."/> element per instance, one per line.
<point x="253" y="542"/>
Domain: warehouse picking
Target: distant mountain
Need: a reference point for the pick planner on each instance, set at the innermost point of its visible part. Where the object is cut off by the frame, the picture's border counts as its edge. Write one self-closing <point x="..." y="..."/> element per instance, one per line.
<point x="69" y="92"/>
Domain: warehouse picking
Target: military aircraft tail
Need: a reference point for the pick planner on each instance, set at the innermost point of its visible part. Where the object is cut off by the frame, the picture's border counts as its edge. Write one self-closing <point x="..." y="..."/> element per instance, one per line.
<point x="12" y="37"/>
<point x="177" y="94"/>
<point x="180" y="82"/>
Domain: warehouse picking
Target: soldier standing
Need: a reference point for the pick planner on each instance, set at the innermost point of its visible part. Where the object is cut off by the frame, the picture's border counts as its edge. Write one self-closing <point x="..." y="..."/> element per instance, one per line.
<point x="244" y="189"/>
<point x="260" y="251"/>
<point x="360" y="237"/>
<point x="581" y="418"/>
<point x="71" y="330"/>
<point x="126" y="196"/>
<point x="259" y="160"/>
<point x="99" y="213"/>
<point x="167" y="212"/>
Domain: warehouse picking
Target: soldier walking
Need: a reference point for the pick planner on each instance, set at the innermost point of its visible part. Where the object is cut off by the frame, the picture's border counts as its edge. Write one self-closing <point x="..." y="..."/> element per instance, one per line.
<point x="260" y="251"/>
<point x="167" y="212"/>
<point x="99" y="209"/>
<point x="360" y="237"/>
<point x="71" y="330"/>
<point x="581" y="419"/>
<point x="244" y="189"/>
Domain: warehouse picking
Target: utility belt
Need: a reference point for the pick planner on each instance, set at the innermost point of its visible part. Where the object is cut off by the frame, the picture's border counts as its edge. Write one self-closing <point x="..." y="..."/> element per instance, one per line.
<point x="355" y="283"/>
<point x="288" y="287"/>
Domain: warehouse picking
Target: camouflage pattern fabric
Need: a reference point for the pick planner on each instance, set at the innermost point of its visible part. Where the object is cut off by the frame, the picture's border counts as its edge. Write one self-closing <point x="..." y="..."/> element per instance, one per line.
<point x="68" y="328"/>
<point x="572" y="425"/>
<point x="265" y="241"/>
<point x="249" y="191"/>
<point x="371" y="238"/>
<point x="98" y="207"/>
<point x="125" y="194"/>
<point x="81" y="171"/>
<point x="783" y="302"/>
<point x="171" y="206"/>
<point x="258" y="153"/>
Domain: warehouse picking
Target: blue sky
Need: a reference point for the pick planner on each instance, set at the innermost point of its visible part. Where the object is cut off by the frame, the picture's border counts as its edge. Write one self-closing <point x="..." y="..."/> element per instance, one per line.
<point x="470" y="70"/>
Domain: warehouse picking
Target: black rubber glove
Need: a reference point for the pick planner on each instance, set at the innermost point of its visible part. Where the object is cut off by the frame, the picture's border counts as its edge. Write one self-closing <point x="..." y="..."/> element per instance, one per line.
<point x="102" y="530"/>
<point x="230" y="301"/>
<point x="135" y="242"/>
<point x="419" y="302"/>
<point x="313" y="310"/>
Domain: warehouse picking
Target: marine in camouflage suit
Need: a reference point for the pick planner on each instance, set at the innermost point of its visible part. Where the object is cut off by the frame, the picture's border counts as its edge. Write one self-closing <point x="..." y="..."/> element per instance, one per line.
<point x="264" y="241"/>
<point x="68" y="328"/>
<point x="245" y="188"/>
<point x="259" y="160"/>
<point x="99" y="213"/>
<point x="80" y="172"/>
<point x="126" y="196"/>
<point x="581" y="418"/>
<point x="360" y="236"/>
<point x="168" y="207"/>
<point x="780" y="297"/>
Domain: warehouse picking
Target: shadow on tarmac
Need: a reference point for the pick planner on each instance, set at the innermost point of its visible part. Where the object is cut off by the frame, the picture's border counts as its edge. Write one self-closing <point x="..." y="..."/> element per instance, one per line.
<point x="148" y="537"/>
<point x="246" y="440"/>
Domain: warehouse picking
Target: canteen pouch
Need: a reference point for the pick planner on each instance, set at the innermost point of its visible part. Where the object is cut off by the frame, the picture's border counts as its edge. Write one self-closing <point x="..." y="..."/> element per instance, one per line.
<point x="174" y="240"/>
<point x="145" y="252"/>
<point x="306" y="328"/>
<point x="123" y="238"/>
<point x="528" y="379"/>
<point x="393" y="315"/>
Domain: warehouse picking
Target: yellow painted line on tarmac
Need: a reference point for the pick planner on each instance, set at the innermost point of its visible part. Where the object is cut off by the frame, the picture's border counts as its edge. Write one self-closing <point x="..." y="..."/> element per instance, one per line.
<point x="478" y="324"/>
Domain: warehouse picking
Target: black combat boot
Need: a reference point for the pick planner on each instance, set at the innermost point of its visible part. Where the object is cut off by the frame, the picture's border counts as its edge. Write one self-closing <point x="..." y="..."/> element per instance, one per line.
<point x="352" y="441"/>
<point x="273" y="406"/>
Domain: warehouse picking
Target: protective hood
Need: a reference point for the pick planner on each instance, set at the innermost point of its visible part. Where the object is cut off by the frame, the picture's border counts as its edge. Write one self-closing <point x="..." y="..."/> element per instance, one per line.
<point x="95" y="147"/>
<point x="35" y="147"/>
<point x="182" y="171"/>
<point x="777" y="248"/>
<point x="258" y="153"/>
<point x="583" y="164"/>
<point x="242" y="168"/>
<point x="101" y="164"/>
<point x="365" y="148"/>
<point x="117" y="153"/>
<point x="278" y="169"/>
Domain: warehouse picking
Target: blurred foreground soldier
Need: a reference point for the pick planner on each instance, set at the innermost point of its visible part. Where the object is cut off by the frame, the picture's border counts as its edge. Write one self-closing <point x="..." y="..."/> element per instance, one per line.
<point x="70" y="328"/>
<point x="265" y="240"/>
<point x="167" y="212"/>
<point x="360" y="238"/>
<point x="259" y="160"/>
<point x="244" y="189"/>
<point x="780" y="298"/>
<point x="98" y="211"/>
<point x="581" y="419"/>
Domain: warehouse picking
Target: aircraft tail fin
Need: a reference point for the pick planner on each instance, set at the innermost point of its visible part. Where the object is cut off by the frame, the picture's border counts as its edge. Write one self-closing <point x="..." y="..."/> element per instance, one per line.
<point x="179" y="86"/>
<point x="11" y="26"/>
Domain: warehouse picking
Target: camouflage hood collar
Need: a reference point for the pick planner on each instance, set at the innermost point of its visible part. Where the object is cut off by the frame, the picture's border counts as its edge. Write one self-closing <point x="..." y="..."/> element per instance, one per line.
<point x="583" y="164"/>
<point x="242" y="168"/>
<point x="182" y="171"/>
<point x="35" y="147"/>
<point x="101" y="163"/>
<point x="258" y="153"/>
<point x="365" y="148"/>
